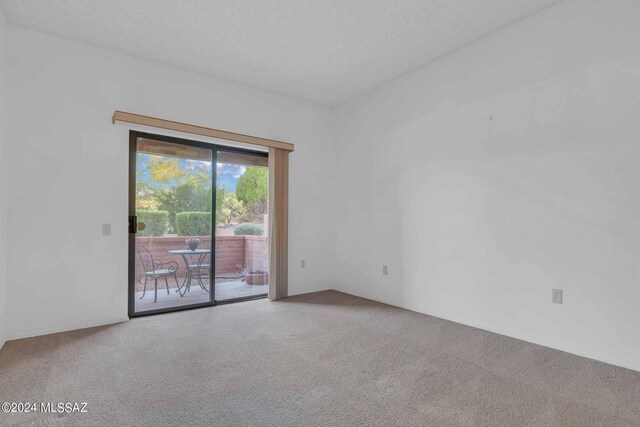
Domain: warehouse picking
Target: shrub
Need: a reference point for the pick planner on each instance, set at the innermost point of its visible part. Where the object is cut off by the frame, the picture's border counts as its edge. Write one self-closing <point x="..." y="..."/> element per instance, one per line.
<point x="193" y="223"/>
<point x="248" y="229"/>
<point x="156" y="222"/>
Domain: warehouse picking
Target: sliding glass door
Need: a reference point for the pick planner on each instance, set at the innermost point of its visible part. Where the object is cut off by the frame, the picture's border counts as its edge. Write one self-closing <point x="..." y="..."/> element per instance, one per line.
<point x="242" y="200"/>
<point x="188" y="248"/>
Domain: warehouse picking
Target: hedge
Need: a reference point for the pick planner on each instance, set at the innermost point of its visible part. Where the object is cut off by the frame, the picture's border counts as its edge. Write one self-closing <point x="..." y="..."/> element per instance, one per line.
<point x="193" y="223"/>
<point x="156" y="223"/>
<point x="248" y="229"/>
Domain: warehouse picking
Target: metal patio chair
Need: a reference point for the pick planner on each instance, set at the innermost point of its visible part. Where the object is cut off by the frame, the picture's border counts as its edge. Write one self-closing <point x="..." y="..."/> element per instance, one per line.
<point x="157" y="270"/>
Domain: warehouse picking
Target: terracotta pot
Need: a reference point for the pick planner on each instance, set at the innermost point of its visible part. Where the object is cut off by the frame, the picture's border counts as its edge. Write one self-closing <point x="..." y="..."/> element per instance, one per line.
<point x="257" y="278"/>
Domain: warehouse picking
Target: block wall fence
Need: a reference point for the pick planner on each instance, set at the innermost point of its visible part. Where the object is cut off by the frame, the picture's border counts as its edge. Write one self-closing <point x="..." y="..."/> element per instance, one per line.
<point x="232" y="252"/>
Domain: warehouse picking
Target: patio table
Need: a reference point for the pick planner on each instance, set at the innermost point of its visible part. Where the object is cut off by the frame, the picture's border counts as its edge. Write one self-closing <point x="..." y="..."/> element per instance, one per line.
<point x="188" y="256"/>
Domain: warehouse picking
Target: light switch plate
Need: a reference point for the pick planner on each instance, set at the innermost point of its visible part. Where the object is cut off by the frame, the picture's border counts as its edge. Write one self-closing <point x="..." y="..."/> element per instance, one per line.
<point x="106" y="229"/>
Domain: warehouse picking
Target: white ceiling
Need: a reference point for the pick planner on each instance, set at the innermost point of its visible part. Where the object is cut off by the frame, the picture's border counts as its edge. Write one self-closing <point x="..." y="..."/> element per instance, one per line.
<point x="325" y="51"/>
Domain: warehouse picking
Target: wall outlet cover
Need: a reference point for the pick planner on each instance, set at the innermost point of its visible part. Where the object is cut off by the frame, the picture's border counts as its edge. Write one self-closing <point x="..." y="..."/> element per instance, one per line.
<point x="556" y="296"/>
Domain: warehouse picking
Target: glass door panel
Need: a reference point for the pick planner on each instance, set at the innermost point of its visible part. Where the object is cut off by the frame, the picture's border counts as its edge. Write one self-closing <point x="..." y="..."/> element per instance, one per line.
<point x="173" y="224"/>
<point x="242" y="232"/>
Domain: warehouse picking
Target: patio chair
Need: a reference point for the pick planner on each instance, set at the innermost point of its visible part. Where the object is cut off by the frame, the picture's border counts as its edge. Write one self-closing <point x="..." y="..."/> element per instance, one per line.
<point x="157" y="270"/>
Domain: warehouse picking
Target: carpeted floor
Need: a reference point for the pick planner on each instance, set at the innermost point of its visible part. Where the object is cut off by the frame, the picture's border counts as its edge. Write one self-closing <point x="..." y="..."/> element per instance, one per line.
<point x="318" y="359"/>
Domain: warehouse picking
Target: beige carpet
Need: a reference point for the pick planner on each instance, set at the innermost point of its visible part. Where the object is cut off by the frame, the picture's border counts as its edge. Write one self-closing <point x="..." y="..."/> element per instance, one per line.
<point x="318" y="359"/>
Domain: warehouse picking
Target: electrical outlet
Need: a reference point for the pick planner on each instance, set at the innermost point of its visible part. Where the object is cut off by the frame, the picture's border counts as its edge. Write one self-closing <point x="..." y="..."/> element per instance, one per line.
<point x="556" y="296"/>
<point x="385" y="270"/>
<point x="106" y="229"/>
<point x="303" y="263"/>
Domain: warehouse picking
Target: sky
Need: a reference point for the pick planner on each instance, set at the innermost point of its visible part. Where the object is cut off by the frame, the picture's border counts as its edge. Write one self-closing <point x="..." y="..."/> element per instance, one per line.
<point x="227" y="174"/>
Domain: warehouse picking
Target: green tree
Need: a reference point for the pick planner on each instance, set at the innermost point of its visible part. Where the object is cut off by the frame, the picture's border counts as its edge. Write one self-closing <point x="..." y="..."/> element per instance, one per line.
<point x="229" y="207"/>
<point x="220" y="196"/>
<point x="145" y="196"/>
<point x="187" y="196"/>
<point x="253" y="190"/>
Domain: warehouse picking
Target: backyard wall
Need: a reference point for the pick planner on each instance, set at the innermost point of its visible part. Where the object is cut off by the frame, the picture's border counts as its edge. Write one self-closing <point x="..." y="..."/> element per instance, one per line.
<point x="499" y="172"/>
<point x="3" y="181"/>
<point x="72" y="167"/>
<point x="256" y="253"/>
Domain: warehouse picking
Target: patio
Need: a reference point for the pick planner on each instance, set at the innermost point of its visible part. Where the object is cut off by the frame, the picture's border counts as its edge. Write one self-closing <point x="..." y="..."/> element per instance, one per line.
<point x="224" y="290"/>
<point x="232" y="253"/>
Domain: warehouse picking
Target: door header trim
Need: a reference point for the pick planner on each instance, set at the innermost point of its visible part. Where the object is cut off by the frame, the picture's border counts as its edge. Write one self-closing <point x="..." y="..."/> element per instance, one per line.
<point x="123" y="116"/>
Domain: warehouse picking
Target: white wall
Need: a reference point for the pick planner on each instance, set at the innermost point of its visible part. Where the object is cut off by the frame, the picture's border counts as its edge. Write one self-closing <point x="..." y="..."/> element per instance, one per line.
<point x="499" y="172"/>
<point x="3" y="181"/>
<point x="69" y="168"/>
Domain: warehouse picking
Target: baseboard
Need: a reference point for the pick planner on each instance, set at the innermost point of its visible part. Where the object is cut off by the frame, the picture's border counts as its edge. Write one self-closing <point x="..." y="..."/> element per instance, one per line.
<point x="484" y="328"/>
<point x="48" y="331"/>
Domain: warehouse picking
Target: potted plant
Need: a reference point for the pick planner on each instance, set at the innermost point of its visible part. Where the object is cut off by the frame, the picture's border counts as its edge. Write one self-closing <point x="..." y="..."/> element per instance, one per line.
<point x="255" y="277"/>
<point x="192" y="243"/>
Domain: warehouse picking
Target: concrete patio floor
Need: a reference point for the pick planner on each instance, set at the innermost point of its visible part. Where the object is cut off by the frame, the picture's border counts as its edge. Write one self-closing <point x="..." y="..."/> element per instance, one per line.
<point x="223" y="291"/>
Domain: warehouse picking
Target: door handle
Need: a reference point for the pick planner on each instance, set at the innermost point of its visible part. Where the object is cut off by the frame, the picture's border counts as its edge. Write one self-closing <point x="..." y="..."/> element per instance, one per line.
<point x="133" y="224"/>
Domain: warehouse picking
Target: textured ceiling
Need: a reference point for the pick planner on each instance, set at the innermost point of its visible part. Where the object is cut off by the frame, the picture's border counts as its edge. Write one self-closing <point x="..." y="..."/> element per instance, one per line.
<point x="325" y="51"/>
